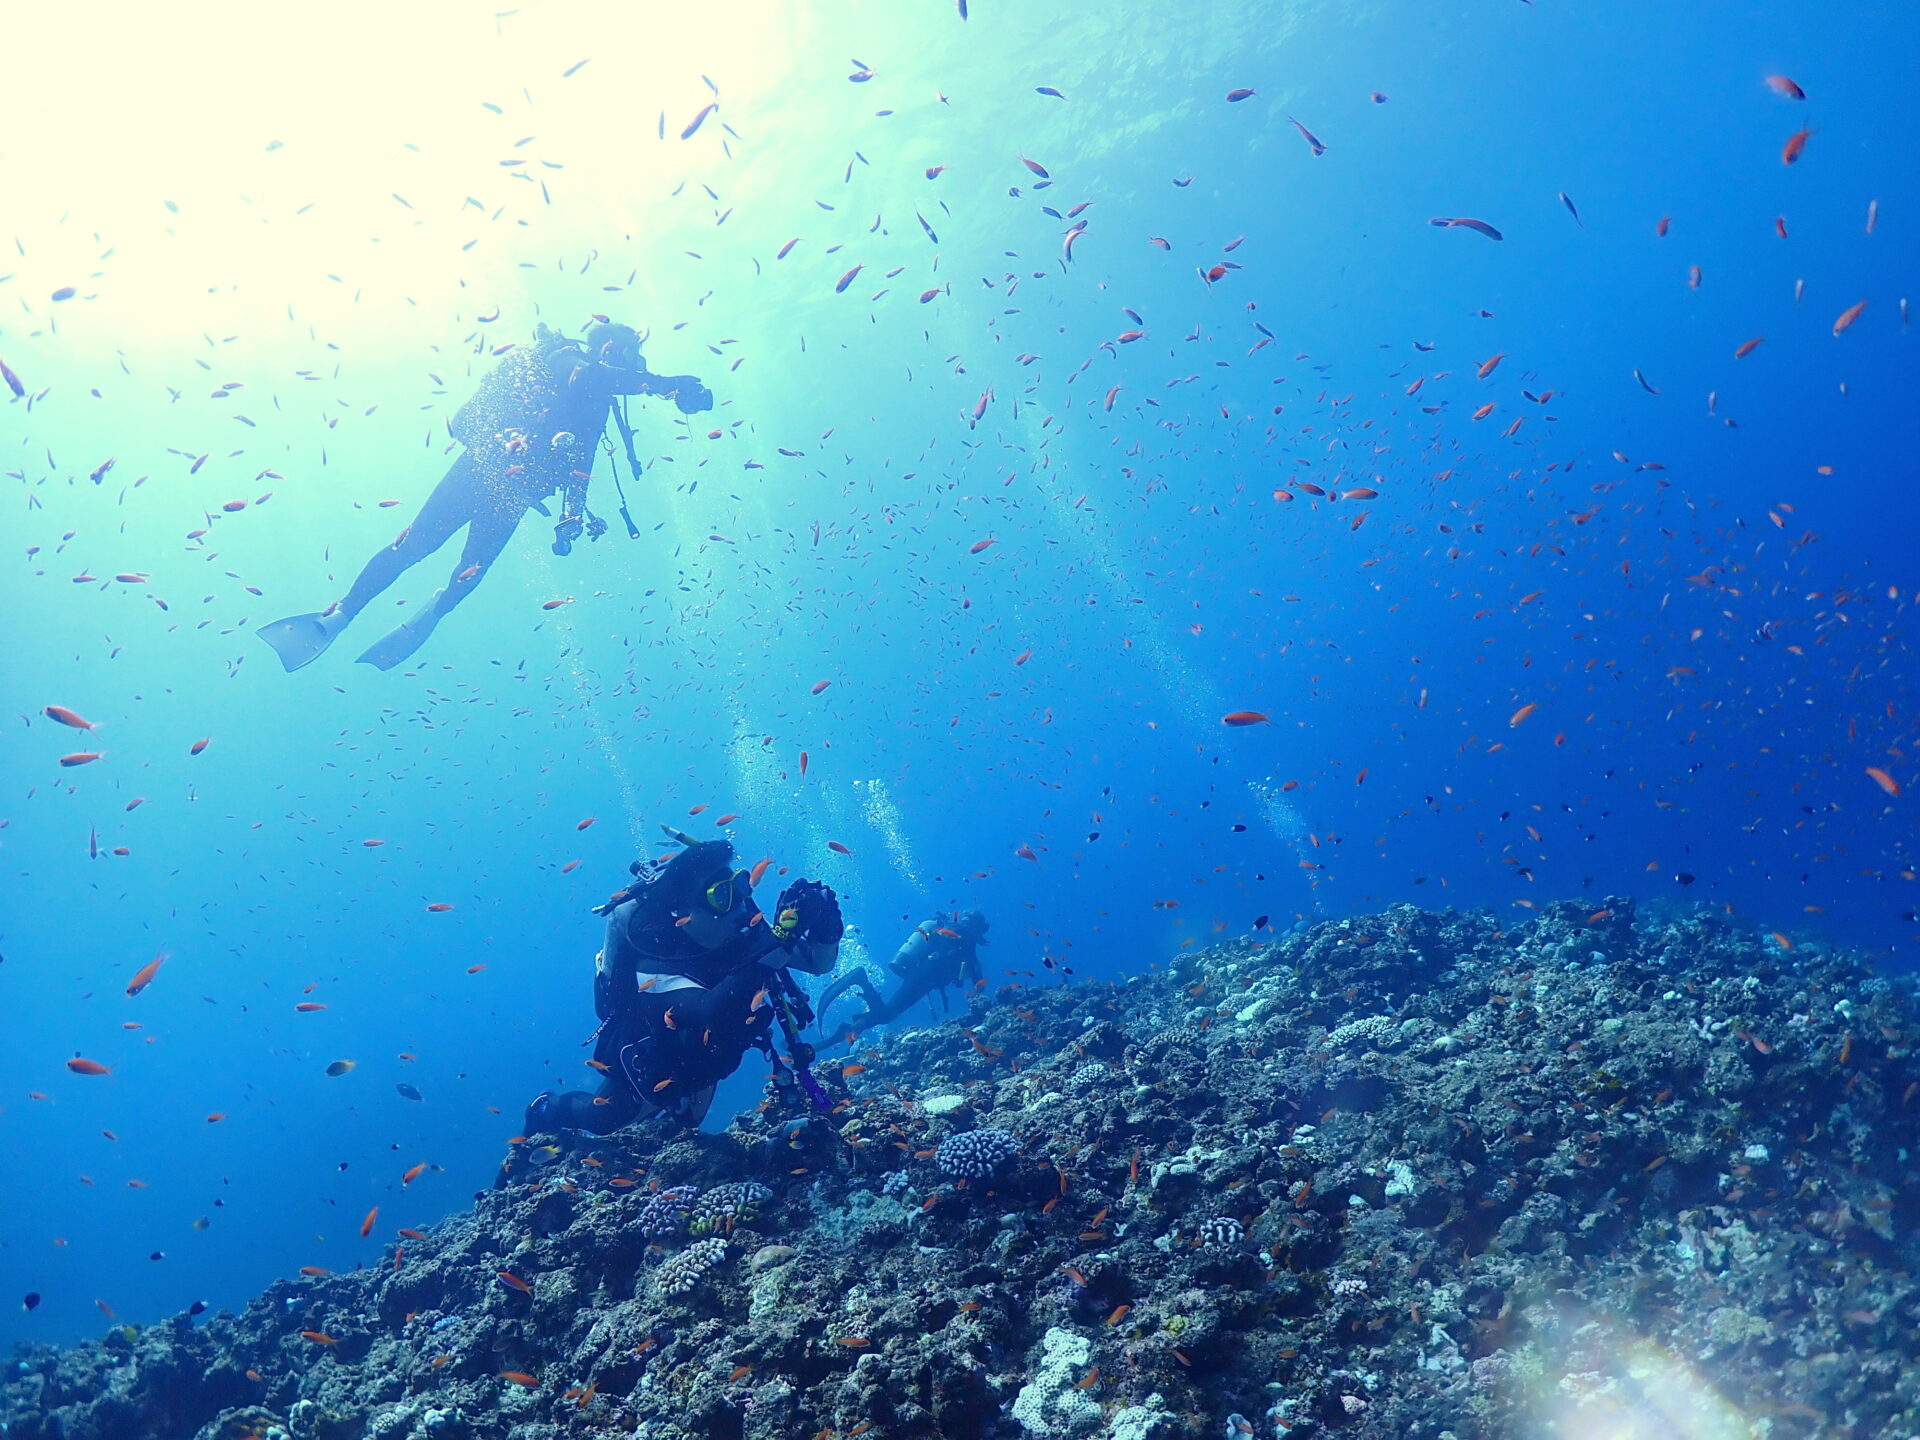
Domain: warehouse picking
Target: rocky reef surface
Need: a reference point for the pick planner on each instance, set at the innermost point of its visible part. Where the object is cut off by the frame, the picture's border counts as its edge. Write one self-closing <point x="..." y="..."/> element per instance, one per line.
<point x="1402" y="1175"/>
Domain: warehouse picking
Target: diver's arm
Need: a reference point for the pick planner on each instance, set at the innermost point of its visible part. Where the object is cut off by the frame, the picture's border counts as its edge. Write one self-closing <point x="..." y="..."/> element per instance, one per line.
<point x="614" y="973"/>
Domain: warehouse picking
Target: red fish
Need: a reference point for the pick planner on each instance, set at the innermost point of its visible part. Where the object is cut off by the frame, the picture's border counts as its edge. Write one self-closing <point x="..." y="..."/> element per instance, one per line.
<point x="1307" y="135"/>
<point x="821" y="685"/>
<point x="199" y="745"/>
<point x="1244" y="717"/>
<point x="438" y="907"/>
<point x="1234" y="97"/>
<point x="836" y="846"/>
<point x="1036" y="167"/>
<point x="1785" y="87"/>
<point x="1847" y="317"/>
<point x="80" y="757"/>
<point x="1748" y="348"/>
<point x="847" y="279"/>
<point x="1796" y="142"/>
<point x="80" y="1065"/>
<point x="366" y="1225"/>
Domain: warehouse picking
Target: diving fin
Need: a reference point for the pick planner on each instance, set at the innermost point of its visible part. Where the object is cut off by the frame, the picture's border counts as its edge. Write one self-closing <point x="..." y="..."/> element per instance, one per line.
<point x="856" y="979"/>
<point x="299" y="639"/>
<point x="399" y="643"/>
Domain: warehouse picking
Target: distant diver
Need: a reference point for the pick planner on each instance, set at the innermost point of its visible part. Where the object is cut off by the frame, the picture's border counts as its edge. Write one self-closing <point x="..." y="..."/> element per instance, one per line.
<point x="532" y="427"/>
<point x="940" y="952"/>
<point x="691" y="975"/>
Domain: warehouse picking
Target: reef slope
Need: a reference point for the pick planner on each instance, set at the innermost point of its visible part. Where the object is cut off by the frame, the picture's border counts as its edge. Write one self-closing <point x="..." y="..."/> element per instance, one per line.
<point x="1409" y="1174"/>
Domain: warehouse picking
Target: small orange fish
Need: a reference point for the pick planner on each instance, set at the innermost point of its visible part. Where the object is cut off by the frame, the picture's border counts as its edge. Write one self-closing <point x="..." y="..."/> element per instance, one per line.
<point x="413" y="1234"/>
<point x="507" y="1277"/>
<point x="1487" y="367"/>
<point x="1519" y="716"/>
<point x="821" y="685"/>
<point x="143" y="977"/>
<point x="1847" y="317"/>
<point x="80" y="757"/>
<point x="308" y="1006"/>
<point x="727" y="819"/>
<point x="1785" y="87"/>
<point x="319" y="1337"/>
<point x="1881" y="778"/>
<point x="199" y="745"/>
<point x="366" y="1225"/>
<point x="1748" y="347"/>
<point x="979" y="545"/>
<point x="835" y="845"/>
<point x="586" y="822"/>
<point x="1119" y="1313"/>
<point x="438" y="907"/>
<point x="80" y="1065"/>
<point x="315" y="1270"/>
<point x="855" y="1069"/>
<point x="414" y="1174"/>
<point x="753" y="875"/>
<point x="1796" y="143"/>
<point x="1244" y="717"/>
<point x="520" y="1377"/>
<point x="68" y="718"/>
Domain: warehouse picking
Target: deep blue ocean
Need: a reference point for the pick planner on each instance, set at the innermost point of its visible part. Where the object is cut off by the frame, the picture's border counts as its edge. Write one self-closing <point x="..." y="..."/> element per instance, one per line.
<point x="1643" y="629"/>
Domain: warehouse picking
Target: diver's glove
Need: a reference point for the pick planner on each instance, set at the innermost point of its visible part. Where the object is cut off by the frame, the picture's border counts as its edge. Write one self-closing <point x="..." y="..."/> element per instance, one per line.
<point x="692" y="397"/>
<point x="596" y="527"/>
<point x="811" y="909"/>
<point x="566" y="532"/>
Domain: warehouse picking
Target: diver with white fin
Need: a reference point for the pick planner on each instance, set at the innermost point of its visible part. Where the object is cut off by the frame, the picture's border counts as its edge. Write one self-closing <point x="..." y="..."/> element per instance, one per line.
<point x="531" y="428"/>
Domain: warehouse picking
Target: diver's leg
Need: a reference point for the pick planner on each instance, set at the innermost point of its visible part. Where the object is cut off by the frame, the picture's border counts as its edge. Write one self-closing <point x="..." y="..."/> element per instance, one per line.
<point x="487" y="536"/>
<point x="491" y="527"/>
<point x="456" y="500"/>
<point x="299" y="640"/>
<point x="912" y="990"/>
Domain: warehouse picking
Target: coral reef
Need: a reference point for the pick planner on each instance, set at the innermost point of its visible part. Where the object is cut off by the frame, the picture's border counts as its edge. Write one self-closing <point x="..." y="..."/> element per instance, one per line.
<point x="1408" y="1174"/>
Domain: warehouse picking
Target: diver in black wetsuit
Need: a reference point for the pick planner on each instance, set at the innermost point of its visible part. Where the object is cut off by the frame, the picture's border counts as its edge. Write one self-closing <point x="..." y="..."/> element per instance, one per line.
<point x="531" y="428"/>
<point x="940" y="952"/>
<point x="690" y="976"/>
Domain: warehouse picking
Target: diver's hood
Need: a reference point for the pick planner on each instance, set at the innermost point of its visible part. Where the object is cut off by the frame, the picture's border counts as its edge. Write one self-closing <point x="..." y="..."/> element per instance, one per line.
<point x="673" y="883"/>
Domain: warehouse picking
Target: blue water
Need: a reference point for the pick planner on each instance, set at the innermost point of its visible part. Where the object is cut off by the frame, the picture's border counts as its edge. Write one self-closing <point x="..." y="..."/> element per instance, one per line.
<point x="249" y="236"/>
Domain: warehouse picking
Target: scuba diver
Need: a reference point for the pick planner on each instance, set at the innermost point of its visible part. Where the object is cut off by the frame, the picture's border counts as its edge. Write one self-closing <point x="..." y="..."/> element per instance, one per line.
<point x="940" y="952"/>
<point x="692" y="974"/>
<point x="531" y="428"/>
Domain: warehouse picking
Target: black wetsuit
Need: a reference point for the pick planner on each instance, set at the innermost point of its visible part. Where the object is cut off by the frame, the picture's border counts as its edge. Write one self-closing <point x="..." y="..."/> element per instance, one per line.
<point x="929" y="961"/>
<point x="491" y="486"/>
<point x="665" y="1044"/>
